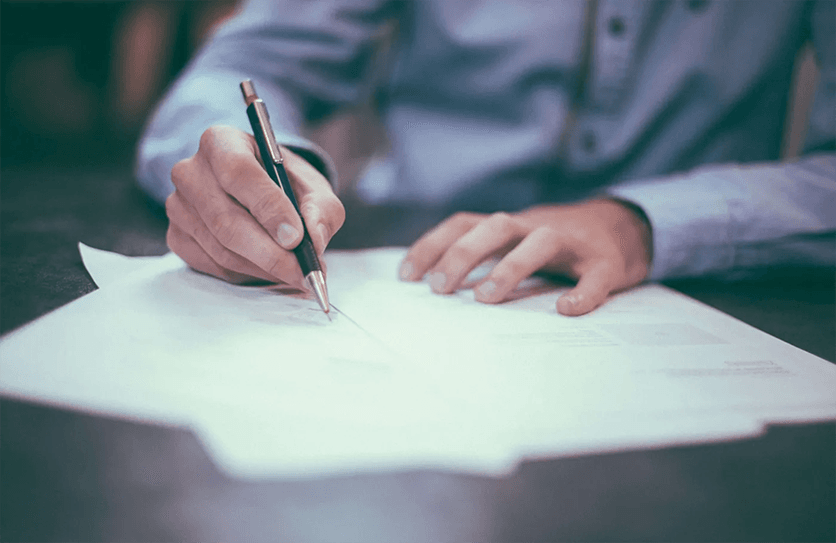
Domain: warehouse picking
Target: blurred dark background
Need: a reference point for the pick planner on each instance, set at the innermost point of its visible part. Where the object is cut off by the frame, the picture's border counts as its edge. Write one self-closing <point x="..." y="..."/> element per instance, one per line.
<point x="79" y="79"/>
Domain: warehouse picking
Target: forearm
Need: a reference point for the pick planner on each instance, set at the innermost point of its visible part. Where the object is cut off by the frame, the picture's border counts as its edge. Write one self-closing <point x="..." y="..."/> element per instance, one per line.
<point x="307" y="59"/>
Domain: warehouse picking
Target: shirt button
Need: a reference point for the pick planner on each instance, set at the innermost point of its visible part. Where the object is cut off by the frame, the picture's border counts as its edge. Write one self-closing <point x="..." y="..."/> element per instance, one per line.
<point x="697" y="6"/>
<point x="616" y="26"/>
<point x="589" y="142"/>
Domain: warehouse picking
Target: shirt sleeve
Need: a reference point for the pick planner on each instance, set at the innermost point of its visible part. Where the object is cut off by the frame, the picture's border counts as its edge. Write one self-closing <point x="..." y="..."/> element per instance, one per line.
<point x="307" y="60"/>
<point x="727" y="220"/>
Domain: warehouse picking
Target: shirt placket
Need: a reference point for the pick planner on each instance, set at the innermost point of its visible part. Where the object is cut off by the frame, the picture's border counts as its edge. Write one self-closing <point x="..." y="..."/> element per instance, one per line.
<point x="613" y="36"/>
<point x="616" y="33"/>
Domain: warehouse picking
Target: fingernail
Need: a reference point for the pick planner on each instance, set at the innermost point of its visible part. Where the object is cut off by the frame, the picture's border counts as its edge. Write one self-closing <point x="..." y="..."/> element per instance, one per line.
<point x="287" y="235"/>
<point x="568" y="303"/>
<point x="406" y="270"/>
<point x="485" y="290"/>
<point x="437" y="281"/>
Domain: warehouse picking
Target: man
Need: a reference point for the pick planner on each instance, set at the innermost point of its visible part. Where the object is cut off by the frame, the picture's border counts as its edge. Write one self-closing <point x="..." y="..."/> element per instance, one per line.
<point x="609" y="141"/>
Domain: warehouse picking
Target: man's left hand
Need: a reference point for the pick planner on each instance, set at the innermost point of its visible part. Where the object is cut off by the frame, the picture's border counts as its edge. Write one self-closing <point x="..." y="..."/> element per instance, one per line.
<point x="604" y="244"/>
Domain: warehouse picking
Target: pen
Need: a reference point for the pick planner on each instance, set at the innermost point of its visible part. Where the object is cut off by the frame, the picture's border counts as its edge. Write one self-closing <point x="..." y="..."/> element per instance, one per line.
<point x="273" y="161"/>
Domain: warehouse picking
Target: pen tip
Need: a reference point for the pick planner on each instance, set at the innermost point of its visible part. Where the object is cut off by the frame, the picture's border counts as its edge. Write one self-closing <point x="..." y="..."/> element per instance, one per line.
<point x="317" y="282"/>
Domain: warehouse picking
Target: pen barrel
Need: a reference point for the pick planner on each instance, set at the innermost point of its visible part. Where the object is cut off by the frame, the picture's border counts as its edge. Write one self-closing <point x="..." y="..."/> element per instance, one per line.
<point x="263" y="132"/>
<point x="305" y="253"/>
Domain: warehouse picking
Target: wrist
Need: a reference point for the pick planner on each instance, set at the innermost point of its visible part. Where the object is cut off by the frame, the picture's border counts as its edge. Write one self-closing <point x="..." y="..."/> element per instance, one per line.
<point x="638" y="221"/>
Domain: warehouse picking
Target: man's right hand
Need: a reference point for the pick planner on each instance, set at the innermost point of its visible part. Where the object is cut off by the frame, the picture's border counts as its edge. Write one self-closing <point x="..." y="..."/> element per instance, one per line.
<point x="228" y="219"/>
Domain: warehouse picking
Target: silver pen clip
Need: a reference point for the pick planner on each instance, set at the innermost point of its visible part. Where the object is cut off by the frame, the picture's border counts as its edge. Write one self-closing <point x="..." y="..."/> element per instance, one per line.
<point x="252" y="99"/>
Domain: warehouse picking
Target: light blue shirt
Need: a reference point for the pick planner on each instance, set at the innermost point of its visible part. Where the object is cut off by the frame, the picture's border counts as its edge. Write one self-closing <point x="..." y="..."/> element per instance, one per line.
<point x="677" y="106"/>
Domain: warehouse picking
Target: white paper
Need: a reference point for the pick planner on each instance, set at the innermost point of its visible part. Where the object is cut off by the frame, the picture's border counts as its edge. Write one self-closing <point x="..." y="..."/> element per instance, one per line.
<point x="106" y="268"/>
<point x="403" y="378"/>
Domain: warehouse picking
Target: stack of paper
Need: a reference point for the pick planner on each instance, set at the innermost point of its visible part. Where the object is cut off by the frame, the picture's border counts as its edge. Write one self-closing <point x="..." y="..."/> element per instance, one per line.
<point x="403" y="378"/>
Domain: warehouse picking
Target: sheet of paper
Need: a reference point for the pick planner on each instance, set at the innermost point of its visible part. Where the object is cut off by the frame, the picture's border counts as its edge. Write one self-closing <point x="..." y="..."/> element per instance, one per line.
<point x="650" y="348"/>
<point x="172" y="345"/>
<point x="403" y="378"/>
<point x="106" y="268"/>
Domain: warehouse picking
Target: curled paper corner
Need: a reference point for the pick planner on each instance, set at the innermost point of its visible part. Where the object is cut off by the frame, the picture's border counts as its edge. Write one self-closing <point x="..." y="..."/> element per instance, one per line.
<point x="107" y="267"/>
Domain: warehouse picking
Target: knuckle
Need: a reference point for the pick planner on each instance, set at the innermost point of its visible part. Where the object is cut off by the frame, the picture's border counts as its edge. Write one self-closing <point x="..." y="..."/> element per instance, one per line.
<point x="218" y="143"/>
<point x="180" y="172"/>
<point x="268" y="207"/>
<point x="462" y="217"/>
<point x="277" y="266"/>
<point x="235" y="173"/>
<point x="179" y="245"/>
<point x="336" y="212"/>
<point x="225" y="227"/>
<point x="171" y="207"/>
<point x="460" y="252"/>
<point x="547" y="237"/>
<point x="510" y="269"/>
<point x="579" y="234"/>
<point x="459" y="222"/>
<point x="196" y="230"/>
<point x="173" y="241"/>
<point x="210" y="136"/>
<point x="501" y="221"/>
<point x="451" y="221"/>
<point x="309" y="209"/>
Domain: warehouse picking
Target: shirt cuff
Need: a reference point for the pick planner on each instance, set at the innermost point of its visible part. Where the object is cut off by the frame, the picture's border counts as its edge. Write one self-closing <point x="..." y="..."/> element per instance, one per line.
<point x="690" y="223"/>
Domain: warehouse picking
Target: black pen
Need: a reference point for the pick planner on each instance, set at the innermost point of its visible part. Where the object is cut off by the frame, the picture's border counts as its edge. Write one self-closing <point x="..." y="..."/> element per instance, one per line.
<point x="273" y="161"/>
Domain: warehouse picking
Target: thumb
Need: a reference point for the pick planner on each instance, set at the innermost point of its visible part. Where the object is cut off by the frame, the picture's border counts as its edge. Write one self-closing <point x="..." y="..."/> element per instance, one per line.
<point x="594" y="285"/>
<point x="321" y="209"/>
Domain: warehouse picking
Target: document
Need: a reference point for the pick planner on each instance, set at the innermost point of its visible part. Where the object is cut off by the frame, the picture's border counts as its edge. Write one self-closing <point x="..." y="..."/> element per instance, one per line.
<point x="403" y="378"/>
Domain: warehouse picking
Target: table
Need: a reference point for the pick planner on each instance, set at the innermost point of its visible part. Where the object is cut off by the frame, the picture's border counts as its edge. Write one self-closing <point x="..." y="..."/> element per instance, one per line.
<point x="67" y="475"/>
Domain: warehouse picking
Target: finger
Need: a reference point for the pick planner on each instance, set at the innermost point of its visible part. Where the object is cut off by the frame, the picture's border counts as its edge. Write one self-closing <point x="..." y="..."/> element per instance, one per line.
<point x="531" y="254"/>
<point x="594" y="285"/>
<point x="232" y="225"/>
<point x="185" y="218"/>
<point x="490" y="236"/>
<point x="231" y="155"/>
<point x="322" y="211"/>
<point x="430" y="247"/>
<point x="193" y="254"/>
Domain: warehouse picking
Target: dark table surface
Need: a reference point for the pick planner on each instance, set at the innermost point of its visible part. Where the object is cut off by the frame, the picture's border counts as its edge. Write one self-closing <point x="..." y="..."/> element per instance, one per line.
<point x="72" y="476"/>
